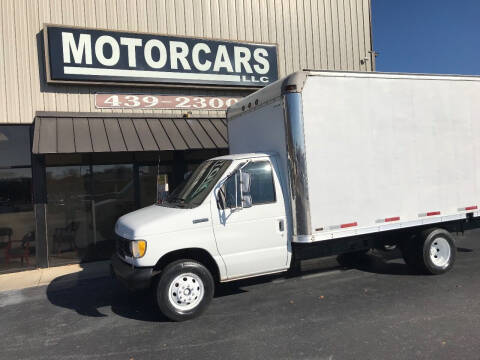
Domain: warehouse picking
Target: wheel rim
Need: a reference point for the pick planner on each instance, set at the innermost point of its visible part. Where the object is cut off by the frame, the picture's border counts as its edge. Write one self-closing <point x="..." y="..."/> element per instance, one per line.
<point x="440" y="252"/>
<point x="186" y="291"/>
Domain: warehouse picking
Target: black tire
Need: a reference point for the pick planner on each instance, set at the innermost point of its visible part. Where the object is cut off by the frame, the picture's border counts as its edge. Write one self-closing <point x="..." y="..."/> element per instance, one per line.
<point x="195" y="274"/>
<point x="421" y="252"/>
<point x="431" y="239"/>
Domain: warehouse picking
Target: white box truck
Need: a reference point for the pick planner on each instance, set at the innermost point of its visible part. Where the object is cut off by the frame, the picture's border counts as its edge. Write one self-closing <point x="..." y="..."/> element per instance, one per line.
<point x="321" y="163"/>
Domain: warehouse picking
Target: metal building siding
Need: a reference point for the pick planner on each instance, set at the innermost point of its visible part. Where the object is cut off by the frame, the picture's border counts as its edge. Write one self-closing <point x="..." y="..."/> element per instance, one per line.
<point x="319" y="34"/>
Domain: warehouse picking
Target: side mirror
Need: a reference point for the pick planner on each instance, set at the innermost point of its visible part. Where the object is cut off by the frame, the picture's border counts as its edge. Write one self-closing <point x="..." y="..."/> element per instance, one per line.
<point x="234" y="193"/>
<point x="220" y="196"/>
<point x="245" y="183"/>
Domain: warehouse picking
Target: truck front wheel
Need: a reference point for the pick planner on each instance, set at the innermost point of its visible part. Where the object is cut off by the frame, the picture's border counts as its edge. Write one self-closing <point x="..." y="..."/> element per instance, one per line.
<point x="184" y="290"/>
<point x="433" y="251"/>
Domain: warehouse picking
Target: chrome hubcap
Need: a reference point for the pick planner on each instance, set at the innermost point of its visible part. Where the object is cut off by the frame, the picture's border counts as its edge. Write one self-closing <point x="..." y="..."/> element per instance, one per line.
<point x="186" y="291"/>
<point x="440" y="252"/>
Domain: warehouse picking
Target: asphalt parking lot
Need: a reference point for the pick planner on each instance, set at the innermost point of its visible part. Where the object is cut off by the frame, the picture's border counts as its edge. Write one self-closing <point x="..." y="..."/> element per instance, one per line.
<point x="372" y="308"/>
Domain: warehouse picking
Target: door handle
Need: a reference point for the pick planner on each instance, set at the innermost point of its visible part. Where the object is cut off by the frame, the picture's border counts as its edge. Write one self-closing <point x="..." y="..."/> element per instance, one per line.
<point x="281" y="225"/>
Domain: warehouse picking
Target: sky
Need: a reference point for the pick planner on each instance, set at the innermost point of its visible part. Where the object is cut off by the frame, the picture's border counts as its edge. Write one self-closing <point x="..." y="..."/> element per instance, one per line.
<point x="427" y="36"/>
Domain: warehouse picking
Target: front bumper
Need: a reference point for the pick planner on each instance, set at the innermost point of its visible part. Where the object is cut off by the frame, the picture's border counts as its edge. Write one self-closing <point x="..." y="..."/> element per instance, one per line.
<point x="134" y="278"/>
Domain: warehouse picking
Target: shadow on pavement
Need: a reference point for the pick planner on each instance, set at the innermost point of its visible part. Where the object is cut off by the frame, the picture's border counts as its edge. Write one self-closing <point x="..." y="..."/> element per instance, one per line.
<point x="462" y="249"/>
<point x="390" y="263"/>
<point x="382" y="262"/>
<point x="89" y="297"/>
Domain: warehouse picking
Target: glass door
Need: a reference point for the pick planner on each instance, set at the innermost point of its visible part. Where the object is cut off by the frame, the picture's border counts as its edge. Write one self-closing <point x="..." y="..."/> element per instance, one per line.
<point x="69" y="213"/>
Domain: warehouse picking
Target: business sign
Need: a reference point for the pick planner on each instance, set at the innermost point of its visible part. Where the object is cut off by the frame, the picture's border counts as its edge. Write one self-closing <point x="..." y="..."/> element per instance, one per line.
<point x="103" y="56"/>
<point x="162" y="102"/>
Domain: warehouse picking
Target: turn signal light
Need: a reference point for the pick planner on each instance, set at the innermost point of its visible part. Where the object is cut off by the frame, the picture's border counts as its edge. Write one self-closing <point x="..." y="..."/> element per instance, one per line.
<point x="138" y="247"/>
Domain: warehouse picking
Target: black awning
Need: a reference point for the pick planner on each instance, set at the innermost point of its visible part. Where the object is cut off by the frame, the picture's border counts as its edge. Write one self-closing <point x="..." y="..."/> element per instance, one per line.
<point x="63" y="134"/>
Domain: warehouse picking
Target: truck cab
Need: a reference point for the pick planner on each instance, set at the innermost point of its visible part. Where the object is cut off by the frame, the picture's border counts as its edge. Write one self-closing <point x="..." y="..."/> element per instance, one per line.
<point x="227" y="221"/>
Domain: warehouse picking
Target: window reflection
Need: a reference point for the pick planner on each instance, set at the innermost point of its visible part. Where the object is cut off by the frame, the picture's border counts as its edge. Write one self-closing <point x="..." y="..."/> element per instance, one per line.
<point x="17" y="238"/>
<point x="83" y="205"/>
<point x="148" y="182"/>
<point x="69" y="213"/>
<point x="112" y="197"/>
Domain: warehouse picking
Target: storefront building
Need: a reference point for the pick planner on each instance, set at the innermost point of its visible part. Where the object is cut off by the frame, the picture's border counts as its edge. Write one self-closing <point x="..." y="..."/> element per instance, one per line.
<point x="99" y="97"/>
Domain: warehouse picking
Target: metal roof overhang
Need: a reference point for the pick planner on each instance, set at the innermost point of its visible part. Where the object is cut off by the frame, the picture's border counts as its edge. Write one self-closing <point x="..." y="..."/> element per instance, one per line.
<point x="64" y="133"/>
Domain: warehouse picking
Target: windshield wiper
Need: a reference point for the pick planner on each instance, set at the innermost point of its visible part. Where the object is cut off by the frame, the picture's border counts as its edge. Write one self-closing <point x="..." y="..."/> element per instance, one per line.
<point x="176" y="200"/>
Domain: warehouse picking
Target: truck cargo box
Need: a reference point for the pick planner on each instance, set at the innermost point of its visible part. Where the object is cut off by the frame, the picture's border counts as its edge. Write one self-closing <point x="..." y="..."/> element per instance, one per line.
<point x="367" y="152"/>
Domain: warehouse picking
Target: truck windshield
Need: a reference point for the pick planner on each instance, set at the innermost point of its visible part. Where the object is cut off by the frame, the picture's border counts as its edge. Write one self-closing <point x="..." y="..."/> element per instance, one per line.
<point x="193" y="191"/>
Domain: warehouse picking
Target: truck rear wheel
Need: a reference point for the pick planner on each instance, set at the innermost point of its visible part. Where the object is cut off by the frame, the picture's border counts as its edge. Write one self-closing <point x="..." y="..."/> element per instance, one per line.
<point x="184" y="290"/>
<point x="432" y="252"/>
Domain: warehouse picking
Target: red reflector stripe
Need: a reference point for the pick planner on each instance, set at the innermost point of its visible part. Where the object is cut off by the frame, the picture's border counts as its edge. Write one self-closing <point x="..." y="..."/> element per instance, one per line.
<point x="396" y="218"/>
<point x="348" y="225"/>
<point x="471" y="207"/>
<point x="433" y="213"/>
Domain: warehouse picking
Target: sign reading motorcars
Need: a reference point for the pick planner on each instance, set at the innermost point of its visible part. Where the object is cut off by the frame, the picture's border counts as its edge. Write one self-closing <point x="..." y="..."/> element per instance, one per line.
<point x="103" y="56"/>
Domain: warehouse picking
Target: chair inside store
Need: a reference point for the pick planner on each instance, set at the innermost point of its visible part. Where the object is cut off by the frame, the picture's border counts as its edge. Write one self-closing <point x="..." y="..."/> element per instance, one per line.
<point x="20" y="249"/>
<point x="5" y="236"/>
<point x="64" y="238"/>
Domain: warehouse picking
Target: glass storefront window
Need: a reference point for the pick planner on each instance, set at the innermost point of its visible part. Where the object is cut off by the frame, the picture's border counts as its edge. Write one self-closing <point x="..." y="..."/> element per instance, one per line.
<point x="84" y="202"/>
<point x="148" y="182"/>
<point x="17" y="238"/>
<point x="69" y="213"/>
<point x="113" y="196"/>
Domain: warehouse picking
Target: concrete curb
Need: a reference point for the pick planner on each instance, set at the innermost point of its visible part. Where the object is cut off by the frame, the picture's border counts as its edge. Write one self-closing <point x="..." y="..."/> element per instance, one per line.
<point x="42" y="277"/>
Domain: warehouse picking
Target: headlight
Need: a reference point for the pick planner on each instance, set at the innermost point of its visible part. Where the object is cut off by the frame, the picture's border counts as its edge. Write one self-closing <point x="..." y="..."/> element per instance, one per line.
<point x="138" y="248"/>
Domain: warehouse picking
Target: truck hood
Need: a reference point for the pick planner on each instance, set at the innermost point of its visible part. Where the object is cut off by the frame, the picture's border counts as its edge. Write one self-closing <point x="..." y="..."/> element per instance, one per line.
<point x="157" y="219"/>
